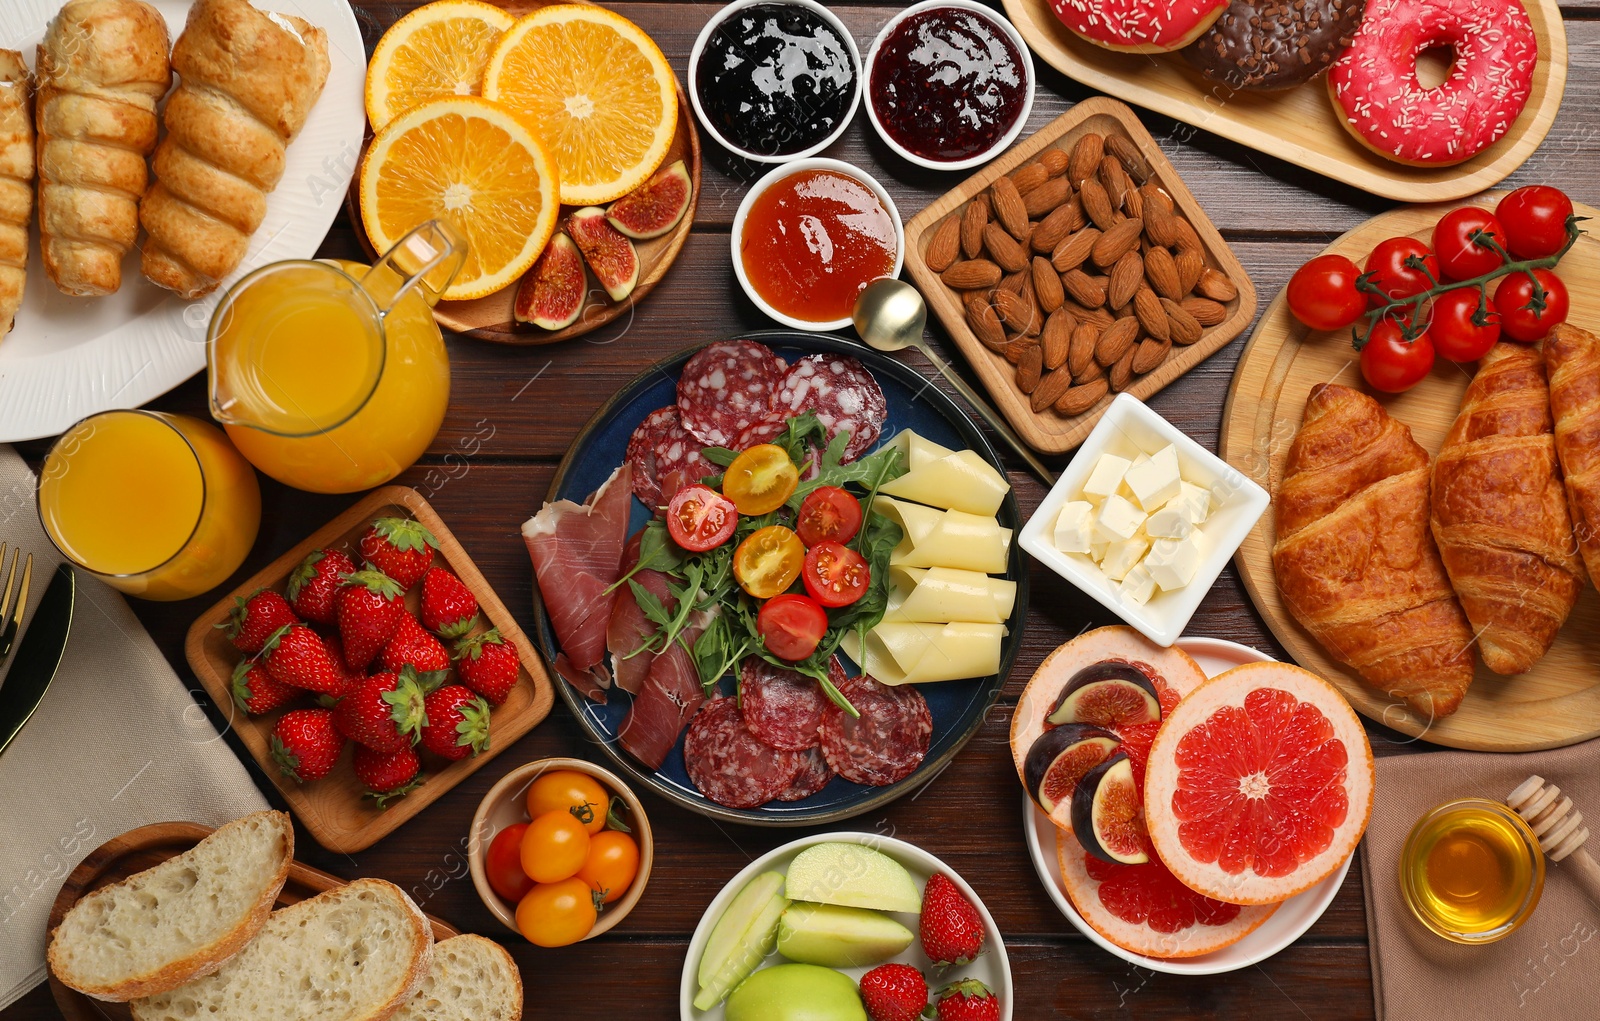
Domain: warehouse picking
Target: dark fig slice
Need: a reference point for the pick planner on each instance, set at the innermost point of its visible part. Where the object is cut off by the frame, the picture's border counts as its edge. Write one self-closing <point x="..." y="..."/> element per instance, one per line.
<point x="1107" y="816"/>
<point x="1108" y="694"/>
<point x="551" y="293"/>
<point x="654" y="207"/>
<point x="1060" y="758"/>
<point x="607" y="251"/>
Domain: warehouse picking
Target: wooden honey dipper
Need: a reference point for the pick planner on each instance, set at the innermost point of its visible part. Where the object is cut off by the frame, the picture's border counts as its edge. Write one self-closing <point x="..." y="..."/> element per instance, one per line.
<point x="1560" y="829"/>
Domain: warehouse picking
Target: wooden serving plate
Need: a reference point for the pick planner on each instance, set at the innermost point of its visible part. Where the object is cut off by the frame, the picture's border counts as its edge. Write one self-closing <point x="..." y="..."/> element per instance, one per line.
<point x="144" y="848"/>
<point x="490" y="317"/>
<point x="1301" y="125"/>
<point x="1050" y="431"/>
<point x="1558" y="701"/>
<point x="334" y="809"/>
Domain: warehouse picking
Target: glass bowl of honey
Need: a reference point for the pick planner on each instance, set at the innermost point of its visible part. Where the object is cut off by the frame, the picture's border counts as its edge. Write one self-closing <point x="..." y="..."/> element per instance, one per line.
<point x="1471" y="871"/>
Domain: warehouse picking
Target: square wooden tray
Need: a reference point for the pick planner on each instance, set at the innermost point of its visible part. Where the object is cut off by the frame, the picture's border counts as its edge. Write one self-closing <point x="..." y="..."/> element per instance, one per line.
<point x="334" y="810"/>
<point x="1049" y="431"/>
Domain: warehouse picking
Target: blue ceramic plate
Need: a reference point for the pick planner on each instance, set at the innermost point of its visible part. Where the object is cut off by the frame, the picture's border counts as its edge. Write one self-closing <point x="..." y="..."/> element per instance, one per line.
<point x="958" y="707"/>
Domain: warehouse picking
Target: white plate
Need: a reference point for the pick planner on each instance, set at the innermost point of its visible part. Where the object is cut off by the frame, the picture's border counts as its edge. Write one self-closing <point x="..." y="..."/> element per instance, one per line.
<point x="992" y="966"/>
<point x="1287" y="924"/>
<point x="72" y="357"/>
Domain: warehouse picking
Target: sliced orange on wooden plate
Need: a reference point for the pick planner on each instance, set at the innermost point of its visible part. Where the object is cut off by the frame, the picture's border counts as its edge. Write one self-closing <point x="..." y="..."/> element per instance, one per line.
<point x="441" y="49"/>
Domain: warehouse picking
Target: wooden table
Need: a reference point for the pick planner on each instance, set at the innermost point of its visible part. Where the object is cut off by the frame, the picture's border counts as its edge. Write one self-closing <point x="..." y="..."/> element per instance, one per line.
<point x="520" y="408"/>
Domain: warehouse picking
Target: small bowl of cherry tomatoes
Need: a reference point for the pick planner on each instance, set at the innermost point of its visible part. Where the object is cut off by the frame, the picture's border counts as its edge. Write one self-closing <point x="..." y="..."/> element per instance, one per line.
<point x="560" y="851"/>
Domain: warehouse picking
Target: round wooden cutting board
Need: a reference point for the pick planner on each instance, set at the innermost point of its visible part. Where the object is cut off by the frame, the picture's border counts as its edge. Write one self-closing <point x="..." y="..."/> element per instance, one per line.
<point x="1558" y="701"/>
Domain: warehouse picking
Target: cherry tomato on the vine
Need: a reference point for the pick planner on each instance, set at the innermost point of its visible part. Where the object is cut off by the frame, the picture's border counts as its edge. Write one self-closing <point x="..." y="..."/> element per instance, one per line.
<point x="700" y="518"/>
<point x="835" y="574"/>
<point x="1323" y="295"/>
<point x="1460" y="256"/>
<point x="566" y="790"/>
<point x="828" y="512"/>
<point x="760" y="479"/>
<point x="612" y="863"/>
<point x="1535" y="220"/>
<point x="1393" y="277"/>
<point x="556" y="914"/>
<point x="791" y="625"/>
<point x="768" y="561"/>
<point x="1391" y="363"/>
<point x="554" y="847"/>
<point x="503" y="864"/>
<point x="1454" y="333"/>
<point x="1513" y="300"/>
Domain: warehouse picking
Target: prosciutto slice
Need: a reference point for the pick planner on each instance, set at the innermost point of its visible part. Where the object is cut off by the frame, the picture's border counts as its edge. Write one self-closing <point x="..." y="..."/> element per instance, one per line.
<point x="577" y="556"/>
<point x="667" y="700"/>
<point x="629" y="628"/>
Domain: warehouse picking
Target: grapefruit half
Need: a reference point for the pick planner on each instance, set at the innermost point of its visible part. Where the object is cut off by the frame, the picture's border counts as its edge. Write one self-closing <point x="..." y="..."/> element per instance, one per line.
<point x="1259" y="784"/>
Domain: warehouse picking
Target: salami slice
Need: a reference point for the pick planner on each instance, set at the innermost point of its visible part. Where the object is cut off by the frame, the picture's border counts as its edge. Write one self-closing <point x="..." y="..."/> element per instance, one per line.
<point x="764" y="431"/>
<point x="782" y="708"/>
<point x="813" y="776"/>
<point x="679" y="462"/>
<point x="727" y="387"/>
<point x="890" y="739"/>
<point x="728" y="763"/>
<point x="842" y="394"/>
<point x="657" y="426"/>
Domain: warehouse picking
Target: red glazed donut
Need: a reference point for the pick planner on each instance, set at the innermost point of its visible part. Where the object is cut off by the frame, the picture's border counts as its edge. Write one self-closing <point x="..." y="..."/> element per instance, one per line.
<point x="1387" y="109"/>
<point x="1139" y="26"/>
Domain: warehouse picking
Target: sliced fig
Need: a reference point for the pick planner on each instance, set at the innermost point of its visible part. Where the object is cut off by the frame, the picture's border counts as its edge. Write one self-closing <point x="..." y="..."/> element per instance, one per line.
<point x="551" y="294"/>
<point x="1107" y="816"/>
<point x="654" y="207"/>
<point x="1112" y="693"/>
<point x="1060" y="758"/>
<point x="607" y="251"/>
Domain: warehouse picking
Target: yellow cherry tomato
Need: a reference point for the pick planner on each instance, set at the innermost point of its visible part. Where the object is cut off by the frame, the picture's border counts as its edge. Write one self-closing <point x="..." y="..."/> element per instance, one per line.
<point x="555" y="847"/>
<point x="760" y="479"/>
<point x="768" y="561"/>
<point x="556" y="914"/>
<point x="568" y="789"/>
<point x="612" y="863"/>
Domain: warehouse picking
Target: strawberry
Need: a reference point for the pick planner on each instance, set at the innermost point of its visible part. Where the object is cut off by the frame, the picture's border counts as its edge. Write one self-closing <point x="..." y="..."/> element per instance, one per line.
<point x="385" y="712"/>
<point x="399" y="547"/>
<point x="314" y="585"/>
<point x="448" y="606"/>
<point x="257" y="691"/>
<point x="306" y="744"/>
<point x="252" y="621"/>
<point x="967" y="1000"/>
<point x="413" y="646"/>
<point x="894" y="992"/>
<point x="351" y="677"/>
<point x="457" y="724"/>
<point x="388" y="774"/>
<point x="370" y="608"/>
<point x="488" y="665"/>
<point x="951" y="928"/>
<point x="295" y="655"/>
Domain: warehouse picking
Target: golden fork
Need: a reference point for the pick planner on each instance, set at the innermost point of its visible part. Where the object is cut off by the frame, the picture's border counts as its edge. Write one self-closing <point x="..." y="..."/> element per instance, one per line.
<point x="11" y="619"/>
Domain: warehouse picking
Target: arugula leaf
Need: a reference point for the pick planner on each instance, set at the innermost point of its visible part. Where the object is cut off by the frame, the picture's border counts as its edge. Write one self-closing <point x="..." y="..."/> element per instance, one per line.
<point x="871" y="472"/>
<point x="657" y="552"/>
<point x="719" y="456"/>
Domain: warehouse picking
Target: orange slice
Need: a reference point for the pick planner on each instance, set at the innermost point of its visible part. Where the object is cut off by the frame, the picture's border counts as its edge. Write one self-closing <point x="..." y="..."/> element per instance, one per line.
<point x="475" y="164"/>
<point x="599" y="90"/>
<point x="438" y="50"/>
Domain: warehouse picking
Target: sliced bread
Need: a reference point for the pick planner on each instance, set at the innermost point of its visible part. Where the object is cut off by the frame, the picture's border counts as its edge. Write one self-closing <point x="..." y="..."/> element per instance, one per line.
<point x="180" y="920"/>
<point x="472" y="979"/>
<point x="355" y="953"/>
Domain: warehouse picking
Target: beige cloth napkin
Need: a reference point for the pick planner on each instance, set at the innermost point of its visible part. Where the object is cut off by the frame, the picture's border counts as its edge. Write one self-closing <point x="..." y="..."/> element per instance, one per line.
<point x="118" y="743"/>
<point x="1549" y="968"/>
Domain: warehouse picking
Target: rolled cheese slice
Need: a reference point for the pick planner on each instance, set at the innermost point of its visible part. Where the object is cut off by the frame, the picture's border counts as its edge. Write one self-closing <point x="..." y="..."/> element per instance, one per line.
<point x="950" y="538"/>
<point x="909" y="653"/>
<point x="952" y="479"/>
<point x="939" y="594"/>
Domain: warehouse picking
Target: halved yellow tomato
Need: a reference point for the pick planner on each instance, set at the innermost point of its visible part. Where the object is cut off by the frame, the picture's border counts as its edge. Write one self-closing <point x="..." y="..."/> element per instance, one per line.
<point x="760" y="479"/>
<point x="768" y="561"/>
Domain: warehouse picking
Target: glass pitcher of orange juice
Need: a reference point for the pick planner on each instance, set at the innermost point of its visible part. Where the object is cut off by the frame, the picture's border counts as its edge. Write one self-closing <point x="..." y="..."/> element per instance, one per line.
<point x="330" y="376"/>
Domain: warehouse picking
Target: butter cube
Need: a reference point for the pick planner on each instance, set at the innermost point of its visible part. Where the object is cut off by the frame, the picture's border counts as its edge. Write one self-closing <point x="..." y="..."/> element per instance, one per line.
<point x="1122" y="556"/>
<point x="1170" y="522"/>
<point x="1138" y="586"/>
<point x="1074" y="526"/>
<point x="1173" y="562"/>
<point x="1119" y="518"/>
<point x="1097" y="550"/>
<point x="1157" y="480"/>
<point x="1194" y="501"/>
<point x="1106" y="477"/>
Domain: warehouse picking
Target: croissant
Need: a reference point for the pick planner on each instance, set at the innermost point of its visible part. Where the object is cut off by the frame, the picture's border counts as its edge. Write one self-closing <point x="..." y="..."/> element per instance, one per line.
<point x="16" y="184"/>
<point x="1354" y="560"/>
<point x="102" y="66"/>
<point x="1500" y="512"/>
<point x="247" y="83"/>
<point x="1573" y="358"/>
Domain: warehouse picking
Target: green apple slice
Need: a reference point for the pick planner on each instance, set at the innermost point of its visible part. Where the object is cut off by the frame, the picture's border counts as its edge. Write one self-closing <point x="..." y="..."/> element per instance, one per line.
<point x="796" y="992"/>
<point x="742" y="937"/>
<point x="852" y="875"/>
<point x="839" y="937"/>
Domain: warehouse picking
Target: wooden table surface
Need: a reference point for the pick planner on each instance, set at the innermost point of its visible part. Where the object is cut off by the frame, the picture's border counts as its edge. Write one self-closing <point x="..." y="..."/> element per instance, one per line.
<point x="512" y="415"/>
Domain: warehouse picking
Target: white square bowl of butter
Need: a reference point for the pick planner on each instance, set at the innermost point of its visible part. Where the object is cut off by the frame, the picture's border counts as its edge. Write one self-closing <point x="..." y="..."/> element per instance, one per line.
<point x="1144" y="519"/>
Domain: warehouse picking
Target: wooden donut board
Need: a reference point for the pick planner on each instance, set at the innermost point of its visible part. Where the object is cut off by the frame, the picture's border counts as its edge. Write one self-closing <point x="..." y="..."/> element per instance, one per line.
<point x="1557" y="702"/>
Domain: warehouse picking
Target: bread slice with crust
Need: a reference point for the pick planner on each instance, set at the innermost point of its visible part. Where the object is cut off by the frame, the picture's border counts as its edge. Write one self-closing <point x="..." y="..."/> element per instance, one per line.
<point x="180" y="920"/>
<point x="472" y="979"/>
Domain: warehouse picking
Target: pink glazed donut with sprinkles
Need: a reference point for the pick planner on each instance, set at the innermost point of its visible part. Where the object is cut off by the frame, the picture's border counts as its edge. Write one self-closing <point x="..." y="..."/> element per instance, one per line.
<point x="1139" y="26"/>
<point x="1388" y="110"/>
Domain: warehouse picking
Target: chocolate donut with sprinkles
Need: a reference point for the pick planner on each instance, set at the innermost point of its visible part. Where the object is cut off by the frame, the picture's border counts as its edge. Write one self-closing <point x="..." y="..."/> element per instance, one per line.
<point x="1139" y="26"/>
<point x="1375" y="87"/>
<point x="1275" y="44"/>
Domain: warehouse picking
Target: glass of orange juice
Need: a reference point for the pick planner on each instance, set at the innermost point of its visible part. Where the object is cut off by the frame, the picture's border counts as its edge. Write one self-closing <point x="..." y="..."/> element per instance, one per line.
<point x="158" y="506"/>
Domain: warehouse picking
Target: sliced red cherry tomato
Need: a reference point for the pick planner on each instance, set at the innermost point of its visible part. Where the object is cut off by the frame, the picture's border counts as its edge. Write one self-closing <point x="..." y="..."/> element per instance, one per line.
<point x="1390" y="362"/>
<point x="760" y="479"/>
<point x="828" y="513"/>
<point x="835" y="574"/>
<point x="1535" y="220"/>
<point x="768" y="561"/>
<point x="1514" y="300"/>
<point x="700" y="518"/>
<point x="1392" y="276"/>
<point x="791" y="625"/>
<point x="1460" y="256"/>
<point x="1454" y="332"/>
<point x="503" y="864"/>
<point x="1323" y="295"/>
